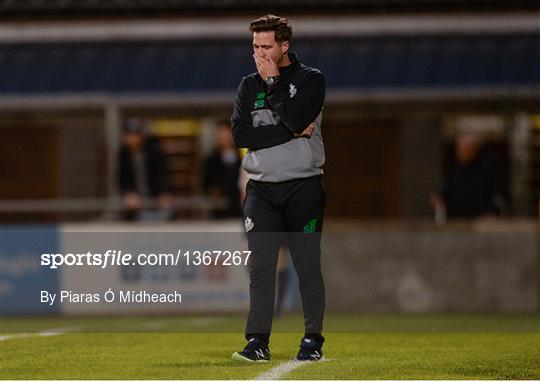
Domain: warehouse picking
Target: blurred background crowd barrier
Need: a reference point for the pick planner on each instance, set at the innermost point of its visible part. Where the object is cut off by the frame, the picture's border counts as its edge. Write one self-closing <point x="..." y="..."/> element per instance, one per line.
<point x="115" y="110"/>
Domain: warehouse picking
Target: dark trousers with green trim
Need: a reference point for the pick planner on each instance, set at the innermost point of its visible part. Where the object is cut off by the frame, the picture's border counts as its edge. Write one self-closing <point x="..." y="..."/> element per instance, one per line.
<point x="292" y="211"/>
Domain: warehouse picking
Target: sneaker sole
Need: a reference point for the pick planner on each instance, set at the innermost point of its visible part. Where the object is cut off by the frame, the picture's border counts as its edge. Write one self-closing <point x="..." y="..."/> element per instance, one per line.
<point x="308" y="360"/>
<point x="238" y="357"/>
<point x="312" y="359"/>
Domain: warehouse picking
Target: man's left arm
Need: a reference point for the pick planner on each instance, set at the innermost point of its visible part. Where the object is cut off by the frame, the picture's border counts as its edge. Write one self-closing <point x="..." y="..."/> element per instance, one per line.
<point x="298" y="107"/>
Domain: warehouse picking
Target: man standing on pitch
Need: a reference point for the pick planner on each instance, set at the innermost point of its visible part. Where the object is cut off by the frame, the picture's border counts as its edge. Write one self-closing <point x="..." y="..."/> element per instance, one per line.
<point x="277" y="117"/>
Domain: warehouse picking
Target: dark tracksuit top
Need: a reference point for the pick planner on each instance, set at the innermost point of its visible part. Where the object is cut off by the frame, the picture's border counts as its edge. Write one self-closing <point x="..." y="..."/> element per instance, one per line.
<point x="265" y="118"/>
<point x="285" y="192"/>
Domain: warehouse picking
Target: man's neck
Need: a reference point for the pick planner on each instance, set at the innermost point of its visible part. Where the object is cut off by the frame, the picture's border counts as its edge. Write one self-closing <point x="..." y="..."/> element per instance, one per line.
<point x="284" y="61"/>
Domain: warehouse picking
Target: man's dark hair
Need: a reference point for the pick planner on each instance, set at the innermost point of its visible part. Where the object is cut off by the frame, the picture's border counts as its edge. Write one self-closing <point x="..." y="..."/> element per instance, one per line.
<point x="279" y="25"/>
<point x="135" y="126"/>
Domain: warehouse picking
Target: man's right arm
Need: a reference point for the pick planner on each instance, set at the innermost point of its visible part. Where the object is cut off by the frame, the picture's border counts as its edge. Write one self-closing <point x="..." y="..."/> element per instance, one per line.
<point x="243" y="132"/>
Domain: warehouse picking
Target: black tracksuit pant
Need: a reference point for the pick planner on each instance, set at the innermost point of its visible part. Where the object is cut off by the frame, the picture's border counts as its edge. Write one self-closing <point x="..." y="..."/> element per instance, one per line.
<point x="291" y="210"/>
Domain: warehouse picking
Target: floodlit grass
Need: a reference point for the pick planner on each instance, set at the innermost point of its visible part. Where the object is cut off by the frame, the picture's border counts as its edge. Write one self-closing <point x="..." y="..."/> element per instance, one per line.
<point x="358" y="347"/>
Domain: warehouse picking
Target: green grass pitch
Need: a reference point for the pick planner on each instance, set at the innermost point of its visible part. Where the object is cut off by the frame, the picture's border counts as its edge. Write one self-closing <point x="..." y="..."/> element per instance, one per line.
<point x="410" y="346"/>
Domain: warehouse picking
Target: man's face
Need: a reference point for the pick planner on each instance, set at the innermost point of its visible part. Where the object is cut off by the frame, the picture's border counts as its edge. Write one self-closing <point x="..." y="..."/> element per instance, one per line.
<point x="224" y="138"/>
<point x="466" y="147"/>
<point x="133" y="140"/>
<point x="265" y="45"/>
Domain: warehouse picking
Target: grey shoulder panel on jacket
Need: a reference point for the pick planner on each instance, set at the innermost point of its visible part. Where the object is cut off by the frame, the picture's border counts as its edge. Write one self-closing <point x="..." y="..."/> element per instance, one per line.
<point x="311" y="70"/>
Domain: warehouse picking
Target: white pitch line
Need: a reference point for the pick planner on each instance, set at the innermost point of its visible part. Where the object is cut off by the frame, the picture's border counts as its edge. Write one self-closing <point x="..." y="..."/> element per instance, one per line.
<point x="46" y="333"/>
<point x="284" y="368"/>
<point x="280" y="370"/>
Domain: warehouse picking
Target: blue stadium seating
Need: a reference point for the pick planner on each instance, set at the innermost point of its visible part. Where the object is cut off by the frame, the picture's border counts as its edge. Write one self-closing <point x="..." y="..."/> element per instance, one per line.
<point x="367" y="63"/>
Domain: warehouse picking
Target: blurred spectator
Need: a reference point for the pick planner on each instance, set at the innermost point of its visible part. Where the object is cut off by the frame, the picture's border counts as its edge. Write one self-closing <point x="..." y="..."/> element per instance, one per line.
<point x="222" y="172"/>
<point x="475" y="187"/>
<point x="143" y="174"/>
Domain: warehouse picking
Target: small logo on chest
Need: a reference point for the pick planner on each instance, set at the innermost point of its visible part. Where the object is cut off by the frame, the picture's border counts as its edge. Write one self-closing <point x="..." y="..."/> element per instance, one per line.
<point x="292" y="90"/>
<point x="259" y="102"/>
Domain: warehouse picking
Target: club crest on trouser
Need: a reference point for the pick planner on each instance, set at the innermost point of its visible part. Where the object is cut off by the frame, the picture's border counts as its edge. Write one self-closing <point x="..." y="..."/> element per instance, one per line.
<point x="249" y="224"/>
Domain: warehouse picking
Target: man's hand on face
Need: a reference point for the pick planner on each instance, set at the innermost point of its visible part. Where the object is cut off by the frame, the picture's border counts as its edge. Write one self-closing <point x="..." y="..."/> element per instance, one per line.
<point x="308" y="131"/>
<point x="265" y="66"/>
